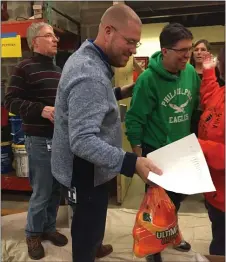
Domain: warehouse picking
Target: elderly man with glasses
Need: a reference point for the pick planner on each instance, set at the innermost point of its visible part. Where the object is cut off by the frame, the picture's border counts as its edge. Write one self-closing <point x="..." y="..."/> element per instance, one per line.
<point x="164" y="99"/>
<point x="31" y="95"/>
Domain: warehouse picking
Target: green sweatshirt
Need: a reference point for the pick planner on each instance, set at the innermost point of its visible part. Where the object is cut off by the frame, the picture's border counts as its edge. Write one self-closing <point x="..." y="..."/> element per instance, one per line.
<point x="162" y="105"/>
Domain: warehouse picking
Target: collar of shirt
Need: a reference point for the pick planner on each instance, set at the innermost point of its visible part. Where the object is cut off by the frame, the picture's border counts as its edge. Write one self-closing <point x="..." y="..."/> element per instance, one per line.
<point x="43" y="58"/>
<point x="103" y="56"/>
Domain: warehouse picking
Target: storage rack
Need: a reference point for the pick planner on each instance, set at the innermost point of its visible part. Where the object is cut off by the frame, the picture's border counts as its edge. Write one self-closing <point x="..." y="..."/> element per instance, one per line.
<point x="10" y="181"/>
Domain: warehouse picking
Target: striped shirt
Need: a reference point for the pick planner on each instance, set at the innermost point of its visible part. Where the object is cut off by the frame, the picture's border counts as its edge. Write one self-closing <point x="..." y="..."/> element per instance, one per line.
<point x="33" y="86"/>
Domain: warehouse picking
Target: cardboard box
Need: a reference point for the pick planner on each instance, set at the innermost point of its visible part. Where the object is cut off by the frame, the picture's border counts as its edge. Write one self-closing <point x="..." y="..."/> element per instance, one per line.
<point x="215" y="258"/>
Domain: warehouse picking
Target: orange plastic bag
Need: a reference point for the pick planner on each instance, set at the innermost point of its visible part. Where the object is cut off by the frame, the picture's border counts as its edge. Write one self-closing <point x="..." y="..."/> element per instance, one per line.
<point x="156" y="224"/>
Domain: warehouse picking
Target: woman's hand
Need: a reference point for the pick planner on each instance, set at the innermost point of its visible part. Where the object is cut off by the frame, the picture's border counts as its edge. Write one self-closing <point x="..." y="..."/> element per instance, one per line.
<point x="209" y="61"/>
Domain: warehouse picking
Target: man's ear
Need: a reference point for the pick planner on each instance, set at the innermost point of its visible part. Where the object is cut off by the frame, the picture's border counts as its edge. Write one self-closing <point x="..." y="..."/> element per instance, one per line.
<point x="33" y="43"/>
<point x="107" y="33"/>
<point x="164" y="51"/>
<point x="108" y="30"/>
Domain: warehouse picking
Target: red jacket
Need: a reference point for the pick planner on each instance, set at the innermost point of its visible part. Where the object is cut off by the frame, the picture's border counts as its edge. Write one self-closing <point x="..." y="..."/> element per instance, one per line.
<point x="212" y="134"/>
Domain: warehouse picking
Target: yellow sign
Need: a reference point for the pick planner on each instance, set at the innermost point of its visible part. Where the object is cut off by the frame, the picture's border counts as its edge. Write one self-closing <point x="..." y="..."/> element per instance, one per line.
<point x="11" y="47"/>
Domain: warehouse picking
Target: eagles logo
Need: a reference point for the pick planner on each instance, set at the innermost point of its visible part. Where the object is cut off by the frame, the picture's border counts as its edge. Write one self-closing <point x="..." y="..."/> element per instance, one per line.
<point x="179" y="109"/>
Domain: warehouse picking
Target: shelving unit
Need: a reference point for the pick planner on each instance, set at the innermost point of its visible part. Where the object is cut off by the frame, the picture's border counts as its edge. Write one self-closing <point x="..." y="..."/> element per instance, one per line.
<point x="20" y="27"/>
<point x="12" y="182"/>
<point x="68" y="41"/>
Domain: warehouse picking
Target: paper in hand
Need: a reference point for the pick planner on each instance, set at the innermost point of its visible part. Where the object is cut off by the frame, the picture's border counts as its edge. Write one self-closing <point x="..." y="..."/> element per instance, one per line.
<point x="184" y="167"/>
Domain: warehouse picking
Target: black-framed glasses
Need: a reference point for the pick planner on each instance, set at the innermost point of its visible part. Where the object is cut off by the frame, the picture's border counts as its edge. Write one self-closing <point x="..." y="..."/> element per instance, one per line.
<point x="182" y="51"/>
<point x="129" y="41"/>
<point x="49" y="36"/>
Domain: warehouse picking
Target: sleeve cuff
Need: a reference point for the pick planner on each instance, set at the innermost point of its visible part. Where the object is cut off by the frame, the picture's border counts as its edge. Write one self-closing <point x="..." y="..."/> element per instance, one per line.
<point x="118" y="93"/>
<point x="129" y="164"/>
<point x="134" y="143"/>
<point x="41" y="108"/>
<point x="209" y="72"/>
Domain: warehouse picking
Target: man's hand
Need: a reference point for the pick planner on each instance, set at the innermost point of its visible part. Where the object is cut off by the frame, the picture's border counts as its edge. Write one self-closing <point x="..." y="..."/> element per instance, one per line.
<point x="126" y="91"/>
<point x="137" y="150"/>
<point x="144" y="166"/>
<point x="48" y="113"/>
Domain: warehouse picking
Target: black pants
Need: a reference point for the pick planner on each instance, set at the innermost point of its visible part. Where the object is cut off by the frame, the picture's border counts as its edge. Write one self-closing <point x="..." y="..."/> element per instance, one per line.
<point x="89" y="216"/>
<point x="175" y="197"/>
<point x="217" y="218"/>
<point x="195" y="121"/>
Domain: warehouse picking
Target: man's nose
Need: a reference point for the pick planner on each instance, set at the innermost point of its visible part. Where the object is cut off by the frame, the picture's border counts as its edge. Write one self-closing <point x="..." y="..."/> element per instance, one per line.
<point x="133" y="50"/>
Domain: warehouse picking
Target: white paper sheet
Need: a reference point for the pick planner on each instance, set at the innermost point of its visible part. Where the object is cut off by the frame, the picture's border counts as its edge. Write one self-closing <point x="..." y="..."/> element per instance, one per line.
<point x="184" y="167"/>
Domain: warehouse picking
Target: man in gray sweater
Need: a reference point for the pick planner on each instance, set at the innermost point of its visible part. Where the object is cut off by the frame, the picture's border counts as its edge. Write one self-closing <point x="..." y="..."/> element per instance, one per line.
<point x="86" y="149"/>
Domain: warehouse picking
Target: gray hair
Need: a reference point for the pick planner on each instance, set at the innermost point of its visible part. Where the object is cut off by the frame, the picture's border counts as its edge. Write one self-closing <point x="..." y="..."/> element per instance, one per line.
<point x="33" y="31"/>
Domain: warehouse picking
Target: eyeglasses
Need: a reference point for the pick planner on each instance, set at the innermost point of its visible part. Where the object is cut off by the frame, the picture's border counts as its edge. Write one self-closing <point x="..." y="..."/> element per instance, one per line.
<point x="183" y="51"/>
<point x="129" y="41"/>
<point x="49" y="36"/>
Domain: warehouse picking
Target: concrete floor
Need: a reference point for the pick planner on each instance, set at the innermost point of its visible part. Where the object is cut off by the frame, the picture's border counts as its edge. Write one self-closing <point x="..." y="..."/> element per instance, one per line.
<point x="193" y="219"/>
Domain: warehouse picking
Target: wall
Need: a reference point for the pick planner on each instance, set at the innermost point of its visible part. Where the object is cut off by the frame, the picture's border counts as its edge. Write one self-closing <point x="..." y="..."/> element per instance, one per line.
<point x="88" y="13"/>
<point x="71" y="9"/>
<point x="91" y="13"/>
<point x="150" y="36"/>
<point x="211" y="33"/>
<point x="18" y="9"/>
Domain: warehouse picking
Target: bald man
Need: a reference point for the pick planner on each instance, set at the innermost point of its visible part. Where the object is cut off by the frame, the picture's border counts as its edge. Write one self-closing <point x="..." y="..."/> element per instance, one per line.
<point x="87" y="151"/>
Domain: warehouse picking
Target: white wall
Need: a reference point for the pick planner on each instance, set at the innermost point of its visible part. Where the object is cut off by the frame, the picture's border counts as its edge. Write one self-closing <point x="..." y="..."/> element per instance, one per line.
<point x="150" y="36"/>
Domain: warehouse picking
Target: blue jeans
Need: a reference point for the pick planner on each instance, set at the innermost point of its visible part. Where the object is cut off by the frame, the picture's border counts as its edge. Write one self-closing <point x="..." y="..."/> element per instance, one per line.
<point x="45" y="199"/>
